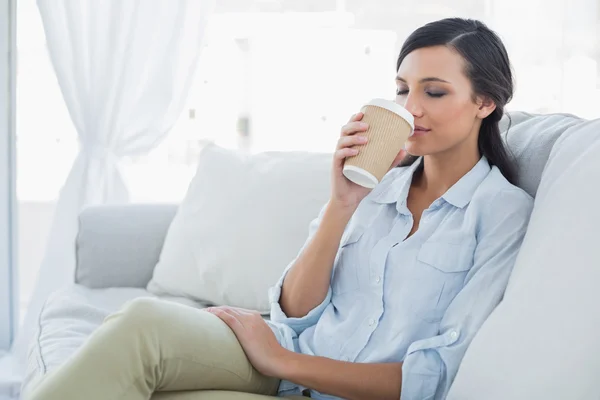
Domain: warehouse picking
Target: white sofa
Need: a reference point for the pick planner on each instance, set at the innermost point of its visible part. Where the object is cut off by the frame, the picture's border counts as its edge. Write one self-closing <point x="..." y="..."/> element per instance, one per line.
<point x="540" y="343"/>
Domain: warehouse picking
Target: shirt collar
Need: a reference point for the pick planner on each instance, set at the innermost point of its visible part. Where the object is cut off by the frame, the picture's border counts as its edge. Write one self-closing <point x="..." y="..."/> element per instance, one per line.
<point x="395" y="185"/>
<point x="461" y="193"/>
<point x="395" y="190"/>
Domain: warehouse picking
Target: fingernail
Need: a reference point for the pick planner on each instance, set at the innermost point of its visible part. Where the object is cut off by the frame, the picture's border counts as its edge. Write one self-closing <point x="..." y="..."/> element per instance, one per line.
<point x="362" y="139"/>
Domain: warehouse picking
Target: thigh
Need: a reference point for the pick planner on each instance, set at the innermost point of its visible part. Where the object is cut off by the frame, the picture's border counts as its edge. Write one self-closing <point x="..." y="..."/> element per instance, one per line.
<point x="195" y="349"/>
<point x="218" y="395"/>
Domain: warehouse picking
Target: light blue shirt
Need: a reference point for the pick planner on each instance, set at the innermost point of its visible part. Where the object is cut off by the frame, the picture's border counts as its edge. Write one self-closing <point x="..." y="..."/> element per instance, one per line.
<point x="417" y="300"/>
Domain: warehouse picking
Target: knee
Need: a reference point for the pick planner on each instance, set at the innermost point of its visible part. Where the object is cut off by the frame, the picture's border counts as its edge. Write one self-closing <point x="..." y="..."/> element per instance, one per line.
<point x="140" y="314"/>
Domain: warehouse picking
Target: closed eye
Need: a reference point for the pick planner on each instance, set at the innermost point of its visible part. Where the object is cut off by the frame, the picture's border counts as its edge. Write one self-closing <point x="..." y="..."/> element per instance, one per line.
<point x="435" y="95"/>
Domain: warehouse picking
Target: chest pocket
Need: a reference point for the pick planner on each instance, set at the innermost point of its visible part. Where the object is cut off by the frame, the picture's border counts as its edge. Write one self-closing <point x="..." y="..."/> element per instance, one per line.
<point x="346" y="270"/>
<point x="439" y="276"/>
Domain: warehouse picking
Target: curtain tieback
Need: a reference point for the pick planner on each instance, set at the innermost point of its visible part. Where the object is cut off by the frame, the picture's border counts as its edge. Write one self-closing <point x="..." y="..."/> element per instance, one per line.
<point x="100" y="152"/>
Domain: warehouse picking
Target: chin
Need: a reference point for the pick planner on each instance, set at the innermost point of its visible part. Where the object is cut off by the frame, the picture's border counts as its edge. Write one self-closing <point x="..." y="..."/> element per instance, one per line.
<point x="416" y="151"/>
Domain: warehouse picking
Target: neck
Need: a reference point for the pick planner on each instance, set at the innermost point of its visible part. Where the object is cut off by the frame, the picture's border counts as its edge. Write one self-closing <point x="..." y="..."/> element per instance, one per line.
<point x="442" y="170"/>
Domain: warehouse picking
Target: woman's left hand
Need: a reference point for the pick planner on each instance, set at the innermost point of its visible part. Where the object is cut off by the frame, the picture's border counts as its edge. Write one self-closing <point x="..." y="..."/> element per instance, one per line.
<point x="255" y="336"/>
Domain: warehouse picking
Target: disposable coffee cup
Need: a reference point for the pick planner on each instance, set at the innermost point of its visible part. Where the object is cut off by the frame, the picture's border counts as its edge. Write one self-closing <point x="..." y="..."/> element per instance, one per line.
<point x="390" y="125"/>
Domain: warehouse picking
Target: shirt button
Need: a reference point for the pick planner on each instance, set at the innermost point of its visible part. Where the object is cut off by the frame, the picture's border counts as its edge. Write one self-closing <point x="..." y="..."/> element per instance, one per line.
<point x="371" y="322"/>
<point x="378" y="279"/>
<point x="453" y="335"/>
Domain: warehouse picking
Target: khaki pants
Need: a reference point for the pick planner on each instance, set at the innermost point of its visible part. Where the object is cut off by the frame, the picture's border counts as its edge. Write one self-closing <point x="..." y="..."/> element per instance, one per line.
<point x="179" y="352"/>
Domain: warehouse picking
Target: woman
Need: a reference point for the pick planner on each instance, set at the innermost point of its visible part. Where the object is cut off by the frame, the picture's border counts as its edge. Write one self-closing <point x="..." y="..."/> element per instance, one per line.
<point x="392" y="283"/>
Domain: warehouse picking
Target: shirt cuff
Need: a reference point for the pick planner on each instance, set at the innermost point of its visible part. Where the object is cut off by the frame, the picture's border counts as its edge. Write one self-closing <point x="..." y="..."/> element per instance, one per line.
<point x="423" y="367"/>
<point x="418" y="386"/>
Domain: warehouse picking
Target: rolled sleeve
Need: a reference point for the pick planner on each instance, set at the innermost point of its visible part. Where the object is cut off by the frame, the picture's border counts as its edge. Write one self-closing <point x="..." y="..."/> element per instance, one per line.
<point x="423" y="367"/>
<point x="431" y="364"/>
<point x="298" y="325"/>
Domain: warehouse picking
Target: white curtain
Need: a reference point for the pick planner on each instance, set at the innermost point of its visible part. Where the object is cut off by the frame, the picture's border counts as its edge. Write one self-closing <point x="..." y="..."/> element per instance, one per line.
<point x="124" y="68"/>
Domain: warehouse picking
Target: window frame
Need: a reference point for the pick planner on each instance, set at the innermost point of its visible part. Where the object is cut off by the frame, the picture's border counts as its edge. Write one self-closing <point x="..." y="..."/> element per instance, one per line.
<point x="8" y="210"/>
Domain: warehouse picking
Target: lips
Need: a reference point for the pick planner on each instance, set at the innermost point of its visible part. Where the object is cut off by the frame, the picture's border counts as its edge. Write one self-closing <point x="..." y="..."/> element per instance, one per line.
<point x="419" y="130"/>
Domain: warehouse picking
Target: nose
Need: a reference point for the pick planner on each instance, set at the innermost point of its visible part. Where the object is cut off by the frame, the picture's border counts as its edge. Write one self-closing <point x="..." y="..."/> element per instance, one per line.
<point x="412" y="104"/>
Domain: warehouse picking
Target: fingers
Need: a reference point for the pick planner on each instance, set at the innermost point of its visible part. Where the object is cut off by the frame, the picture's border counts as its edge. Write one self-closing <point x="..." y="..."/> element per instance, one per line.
<point x="353" y="127"/>
<point x="349" y="141"/>
<point x="348" y="138"/>
<point x="228" y="316"/>
<point x="245" y="311"/>
<point x="345" y="147"/>
<point x="240" y="314"/>
<point x="342" y="154"/>
<point x="233" y="310"/>
<point x="356" y="117"/>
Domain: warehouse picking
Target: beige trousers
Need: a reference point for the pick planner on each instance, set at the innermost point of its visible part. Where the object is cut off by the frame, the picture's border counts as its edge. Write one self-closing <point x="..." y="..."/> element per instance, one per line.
<point x="153" y="349"/>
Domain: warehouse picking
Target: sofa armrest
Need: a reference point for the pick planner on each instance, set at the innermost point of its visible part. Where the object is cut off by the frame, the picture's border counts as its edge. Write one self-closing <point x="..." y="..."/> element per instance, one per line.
<point x="119" y="246"/>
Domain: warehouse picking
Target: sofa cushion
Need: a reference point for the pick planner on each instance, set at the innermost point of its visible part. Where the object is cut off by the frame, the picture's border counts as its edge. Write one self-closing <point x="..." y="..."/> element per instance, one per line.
<point x="242" y="221"/>
<point x="530" y="138"/>
<point x="542" y="342"/>
<point x="119" y="245"/>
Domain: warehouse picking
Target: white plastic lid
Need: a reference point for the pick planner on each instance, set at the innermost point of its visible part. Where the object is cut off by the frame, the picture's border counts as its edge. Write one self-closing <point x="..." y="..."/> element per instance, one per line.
<point x="360" y="176"/>
<point x="395" y="108"/>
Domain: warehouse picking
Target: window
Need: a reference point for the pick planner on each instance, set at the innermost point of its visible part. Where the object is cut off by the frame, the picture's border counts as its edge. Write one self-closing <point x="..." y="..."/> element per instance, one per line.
<point x="46" y="145"/>
<point x="8" y="307"/>
<point x="285" y="75"/>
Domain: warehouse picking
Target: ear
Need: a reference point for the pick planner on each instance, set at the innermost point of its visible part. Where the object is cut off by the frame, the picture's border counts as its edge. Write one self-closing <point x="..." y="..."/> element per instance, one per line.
<point x="486" y="107"/>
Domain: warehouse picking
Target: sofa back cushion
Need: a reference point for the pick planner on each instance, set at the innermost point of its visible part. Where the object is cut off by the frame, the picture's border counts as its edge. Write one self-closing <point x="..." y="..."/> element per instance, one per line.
<point x="541" y="342"/>
<point x="242" y="221"/>
<point x="107" y="257"/>
<point x="530" y="139"/>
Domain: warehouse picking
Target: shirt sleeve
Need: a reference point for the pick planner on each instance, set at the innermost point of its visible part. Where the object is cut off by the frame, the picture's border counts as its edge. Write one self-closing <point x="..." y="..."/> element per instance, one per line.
<point x="311" y="318"/>
<point x="431" y="364"/>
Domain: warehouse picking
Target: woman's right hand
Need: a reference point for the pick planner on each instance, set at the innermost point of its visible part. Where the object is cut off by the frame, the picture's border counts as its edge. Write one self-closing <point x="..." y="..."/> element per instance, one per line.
<point x="344" y="192"/>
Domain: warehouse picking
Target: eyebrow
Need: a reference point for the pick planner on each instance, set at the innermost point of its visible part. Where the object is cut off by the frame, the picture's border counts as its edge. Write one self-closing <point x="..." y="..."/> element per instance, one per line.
<point x="429" y="79"/>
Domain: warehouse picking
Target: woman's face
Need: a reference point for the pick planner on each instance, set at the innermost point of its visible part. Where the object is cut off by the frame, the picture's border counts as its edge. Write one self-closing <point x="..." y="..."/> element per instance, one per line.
<point x="432" y="85"/>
